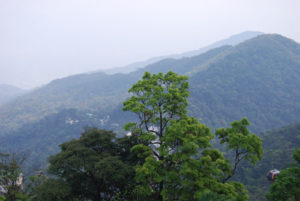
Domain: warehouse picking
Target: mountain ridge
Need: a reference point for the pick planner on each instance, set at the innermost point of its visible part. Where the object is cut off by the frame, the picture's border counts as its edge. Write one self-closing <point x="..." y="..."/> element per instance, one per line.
<point x="232" y="40"/>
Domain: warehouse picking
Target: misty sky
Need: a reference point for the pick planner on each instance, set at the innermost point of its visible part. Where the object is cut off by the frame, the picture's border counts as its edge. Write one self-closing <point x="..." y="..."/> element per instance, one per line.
<point x="45" y="39"/>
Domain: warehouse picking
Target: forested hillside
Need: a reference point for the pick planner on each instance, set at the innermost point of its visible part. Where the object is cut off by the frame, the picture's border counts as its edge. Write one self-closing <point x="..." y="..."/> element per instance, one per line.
<point x="259" y="79"/>
<point x="98" y="92"/>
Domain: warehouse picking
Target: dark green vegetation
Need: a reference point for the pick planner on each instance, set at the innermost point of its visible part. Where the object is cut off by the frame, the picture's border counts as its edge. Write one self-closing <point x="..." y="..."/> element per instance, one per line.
<point x="95" y="167"/>
<point x="258" y="79"/>
<point x="287" y="184"/>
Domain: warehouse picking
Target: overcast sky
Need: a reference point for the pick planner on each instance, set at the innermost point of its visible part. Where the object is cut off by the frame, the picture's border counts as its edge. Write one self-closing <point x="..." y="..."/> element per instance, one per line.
<point x="45" y="39"/>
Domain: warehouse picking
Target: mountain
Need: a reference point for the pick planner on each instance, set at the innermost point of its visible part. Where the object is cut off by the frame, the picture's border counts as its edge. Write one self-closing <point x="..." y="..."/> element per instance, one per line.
<point x="258" y="79"/>
<point x="8" y="92"/>
<point x="96" y="91"/>
<point x="232" y="40"/>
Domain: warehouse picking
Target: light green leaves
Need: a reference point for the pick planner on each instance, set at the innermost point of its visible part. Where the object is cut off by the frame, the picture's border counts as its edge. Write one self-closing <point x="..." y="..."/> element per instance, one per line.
<point x="245" y="146"/>
<point x="156" y="99"/>
<point x="178" y="161"/>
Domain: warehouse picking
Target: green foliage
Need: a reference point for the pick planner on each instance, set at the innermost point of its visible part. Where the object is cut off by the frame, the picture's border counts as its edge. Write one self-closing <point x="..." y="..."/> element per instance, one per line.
<point x="52" y="189"/>
<point x="244" y="145"/>
<point x="287" y="183"/>
<point x="11" y="176"/>
<point x="178" y="161"/>
<point x="96" y="166"/>
<point x="210" y="196"/>
<point x="34" y="182"/>
<point x="156" y="99"/>
<point x="21" y="197"/>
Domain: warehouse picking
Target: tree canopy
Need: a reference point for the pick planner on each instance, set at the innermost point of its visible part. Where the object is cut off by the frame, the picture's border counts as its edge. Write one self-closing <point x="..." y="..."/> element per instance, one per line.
<point x="179" y="161"/>
<point x="97" y="166"/>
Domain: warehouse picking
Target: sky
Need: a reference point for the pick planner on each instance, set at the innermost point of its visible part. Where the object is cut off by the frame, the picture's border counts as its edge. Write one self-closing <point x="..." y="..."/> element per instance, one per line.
<point x="41" y="40"/>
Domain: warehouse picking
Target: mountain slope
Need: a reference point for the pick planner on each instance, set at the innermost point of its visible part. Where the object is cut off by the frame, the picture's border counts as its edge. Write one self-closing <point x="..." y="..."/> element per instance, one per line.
<point x="96" y="91"/>
<point x="259" y="79"/>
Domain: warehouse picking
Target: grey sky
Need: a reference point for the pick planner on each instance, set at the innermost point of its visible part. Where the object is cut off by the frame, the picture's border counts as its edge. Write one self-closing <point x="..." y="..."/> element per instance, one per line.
<point x="44" y="39"/>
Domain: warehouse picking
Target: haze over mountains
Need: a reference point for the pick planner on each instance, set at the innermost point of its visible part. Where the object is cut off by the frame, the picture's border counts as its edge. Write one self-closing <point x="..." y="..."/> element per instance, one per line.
<point x="258" y="79"/>
<point x="261" y="72"/>
<point x="93" y="77"/>
<point x="8" y="92"/>
<point x="232" y="40"/>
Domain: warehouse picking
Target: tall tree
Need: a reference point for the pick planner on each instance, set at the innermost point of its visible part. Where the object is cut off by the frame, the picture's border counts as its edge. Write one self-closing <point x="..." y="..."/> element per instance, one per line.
<point x="245" y="146"/>
<point x="156" y="99"/>
<point x="179" y="163"/>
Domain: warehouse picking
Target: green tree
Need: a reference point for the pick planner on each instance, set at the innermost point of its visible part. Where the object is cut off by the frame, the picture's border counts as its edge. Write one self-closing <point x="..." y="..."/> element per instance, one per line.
<point x="287" y="184"/>
<point x="179" y="163"/>
<point x="245" y="146"/>
<point x="97" y="167"/>
<point x="52" y="189"/>
<point x="11" y="176"/>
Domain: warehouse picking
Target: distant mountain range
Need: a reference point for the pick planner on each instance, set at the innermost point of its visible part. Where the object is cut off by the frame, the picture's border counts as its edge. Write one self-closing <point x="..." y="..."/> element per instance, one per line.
<point x="8" y="92"/>
<point x="101" y="88"/>
<point x="258" y="78"/>
<point x="233" y="40"/>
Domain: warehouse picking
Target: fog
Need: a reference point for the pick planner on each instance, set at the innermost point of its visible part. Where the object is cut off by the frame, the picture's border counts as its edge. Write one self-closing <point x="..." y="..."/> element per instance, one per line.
<point x="41" y="40"/>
